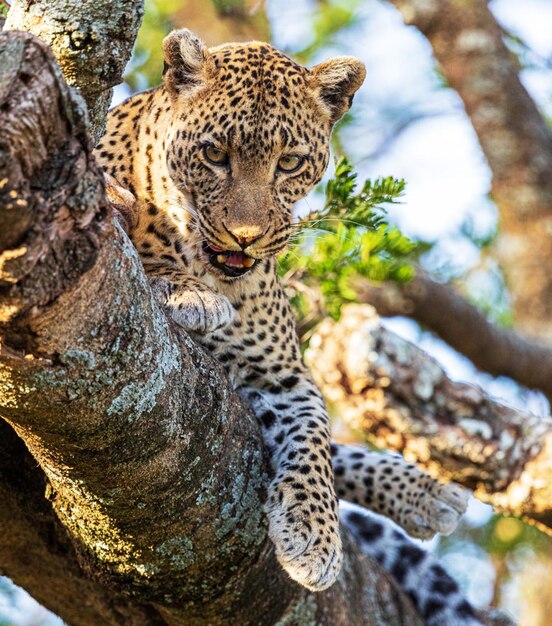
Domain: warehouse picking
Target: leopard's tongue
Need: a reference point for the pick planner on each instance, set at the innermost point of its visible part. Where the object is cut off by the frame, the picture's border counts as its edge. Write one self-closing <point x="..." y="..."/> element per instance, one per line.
<point x="235" y="259"/>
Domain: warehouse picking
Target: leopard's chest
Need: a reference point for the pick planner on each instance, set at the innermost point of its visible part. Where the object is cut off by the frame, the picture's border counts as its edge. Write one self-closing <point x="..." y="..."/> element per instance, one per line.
<point x="260" y="343"/>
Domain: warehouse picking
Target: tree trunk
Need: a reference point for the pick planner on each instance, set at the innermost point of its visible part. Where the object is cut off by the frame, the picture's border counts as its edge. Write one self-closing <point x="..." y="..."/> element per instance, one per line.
<point x="468" y="44"/>
<point x="92" y="43"/>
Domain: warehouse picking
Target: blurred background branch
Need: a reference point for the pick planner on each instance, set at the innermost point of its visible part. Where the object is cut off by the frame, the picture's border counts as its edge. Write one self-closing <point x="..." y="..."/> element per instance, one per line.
<point x="444" y="311"/>
<point x="469" y="45"/>
<point x="399" y="398"/>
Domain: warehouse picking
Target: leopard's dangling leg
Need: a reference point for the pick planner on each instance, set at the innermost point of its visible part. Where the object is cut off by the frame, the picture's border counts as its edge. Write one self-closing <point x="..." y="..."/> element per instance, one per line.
<point x="386" y="483"/>
<point x="301" y="504"/>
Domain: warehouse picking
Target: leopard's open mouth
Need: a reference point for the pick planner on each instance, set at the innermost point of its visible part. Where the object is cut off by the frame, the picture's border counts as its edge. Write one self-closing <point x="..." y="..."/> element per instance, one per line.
<point x="232" y="262"/>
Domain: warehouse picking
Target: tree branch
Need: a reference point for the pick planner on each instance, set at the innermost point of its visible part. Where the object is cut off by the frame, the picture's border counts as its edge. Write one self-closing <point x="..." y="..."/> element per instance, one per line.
<point x="468" y="43"/>
<point x="400" y="398"/>
<point x="136" y="430"/>
<point x="37" y="554"/>
<point x="491" y="348"/>
<point x="91" y="50"/>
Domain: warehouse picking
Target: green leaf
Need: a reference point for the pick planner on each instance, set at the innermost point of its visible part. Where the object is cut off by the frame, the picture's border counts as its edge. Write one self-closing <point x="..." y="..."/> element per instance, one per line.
<point x="349" y="238"/>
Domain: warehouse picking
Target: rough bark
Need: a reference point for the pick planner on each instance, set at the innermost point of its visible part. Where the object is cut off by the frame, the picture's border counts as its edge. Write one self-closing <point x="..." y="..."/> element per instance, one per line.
<point x="36" y="553"/>
<point x="136" y="431"/>
<point x="400" y="398"/>
<point x="468" y="44"/>
<point x="91" y="50"/>
<point x="497" y="350"/>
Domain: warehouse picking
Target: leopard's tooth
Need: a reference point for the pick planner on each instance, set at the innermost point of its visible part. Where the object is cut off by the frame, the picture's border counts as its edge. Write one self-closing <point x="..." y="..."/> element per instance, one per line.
<point x="248" y="262"/>
<point x="221" y="259"/>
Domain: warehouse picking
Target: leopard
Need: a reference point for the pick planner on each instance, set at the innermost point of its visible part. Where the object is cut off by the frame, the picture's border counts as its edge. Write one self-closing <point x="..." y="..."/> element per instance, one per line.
<point x="204" y="171"/>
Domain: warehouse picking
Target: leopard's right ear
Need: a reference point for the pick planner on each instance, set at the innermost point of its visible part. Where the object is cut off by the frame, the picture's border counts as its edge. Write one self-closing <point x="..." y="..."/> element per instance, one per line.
<point x="188" y="62"/>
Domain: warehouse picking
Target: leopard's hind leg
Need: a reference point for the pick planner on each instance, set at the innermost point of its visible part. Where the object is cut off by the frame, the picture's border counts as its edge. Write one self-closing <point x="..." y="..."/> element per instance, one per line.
<point x="434" y="593"/>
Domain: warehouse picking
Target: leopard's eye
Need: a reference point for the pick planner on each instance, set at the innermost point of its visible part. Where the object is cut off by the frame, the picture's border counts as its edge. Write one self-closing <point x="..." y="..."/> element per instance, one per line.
<point x="215" y="155"/>
<point x="290" y="163"/>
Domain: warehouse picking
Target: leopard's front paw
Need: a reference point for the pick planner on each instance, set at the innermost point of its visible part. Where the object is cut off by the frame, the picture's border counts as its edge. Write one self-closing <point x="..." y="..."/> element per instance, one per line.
<point x="305" y="531"/>
<point x="201" y="311"/>
<point x="439" y="508"/>
<point x="446" y="503"/>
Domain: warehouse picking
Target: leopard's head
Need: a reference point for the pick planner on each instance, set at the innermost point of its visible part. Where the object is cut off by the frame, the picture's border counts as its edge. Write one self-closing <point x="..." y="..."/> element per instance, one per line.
<point x="249" y="136"/>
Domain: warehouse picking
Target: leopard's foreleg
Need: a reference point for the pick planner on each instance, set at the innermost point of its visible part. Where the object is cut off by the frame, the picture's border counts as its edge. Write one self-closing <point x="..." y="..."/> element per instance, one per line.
<point x="388" y="484"/>
<point x="301" y="504"/>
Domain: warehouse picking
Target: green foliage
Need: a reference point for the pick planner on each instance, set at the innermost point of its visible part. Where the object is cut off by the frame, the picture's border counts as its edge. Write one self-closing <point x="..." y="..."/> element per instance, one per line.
<point x="330" y="19"/>
<point x="146" y="65"/>
<point x="348" y="239"/>
<point x="4" y="8"/>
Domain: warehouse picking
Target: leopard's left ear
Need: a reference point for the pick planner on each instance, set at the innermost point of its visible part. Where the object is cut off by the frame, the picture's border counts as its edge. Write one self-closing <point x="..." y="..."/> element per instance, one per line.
<point x="188" y="62"/>
<point x="335" y="82"/>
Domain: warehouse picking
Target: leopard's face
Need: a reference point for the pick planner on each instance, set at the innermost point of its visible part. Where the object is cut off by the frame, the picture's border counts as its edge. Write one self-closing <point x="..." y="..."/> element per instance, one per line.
<point x="250" y="137"/>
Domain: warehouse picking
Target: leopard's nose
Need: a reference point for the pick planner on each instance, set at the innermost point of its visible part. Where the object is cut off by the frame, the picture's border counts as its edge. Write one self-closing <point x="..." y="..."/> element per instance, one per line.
<point x="245" y="235"/>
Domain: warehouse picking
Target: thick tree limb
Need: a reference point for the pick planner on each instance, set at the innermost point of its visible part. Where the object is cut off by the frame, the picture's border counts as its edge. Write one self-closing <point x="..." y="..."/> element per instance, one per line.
<point x="91" y="50"/>
<point x="491" y="348"/>
<point x="468" y="43"/>
<point x="36" y="552"/>
<point x="81" y="361"/>
<point x="400" y="398"/>
<point x="135" y="429"/>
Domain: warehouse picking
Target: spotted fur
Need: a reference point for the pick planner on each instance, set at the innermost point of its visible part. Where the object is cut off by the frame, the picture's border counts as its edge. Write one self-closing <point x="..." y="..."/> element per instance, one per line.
<point x="435" y="594"/>
<point x="254" y="106"/>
